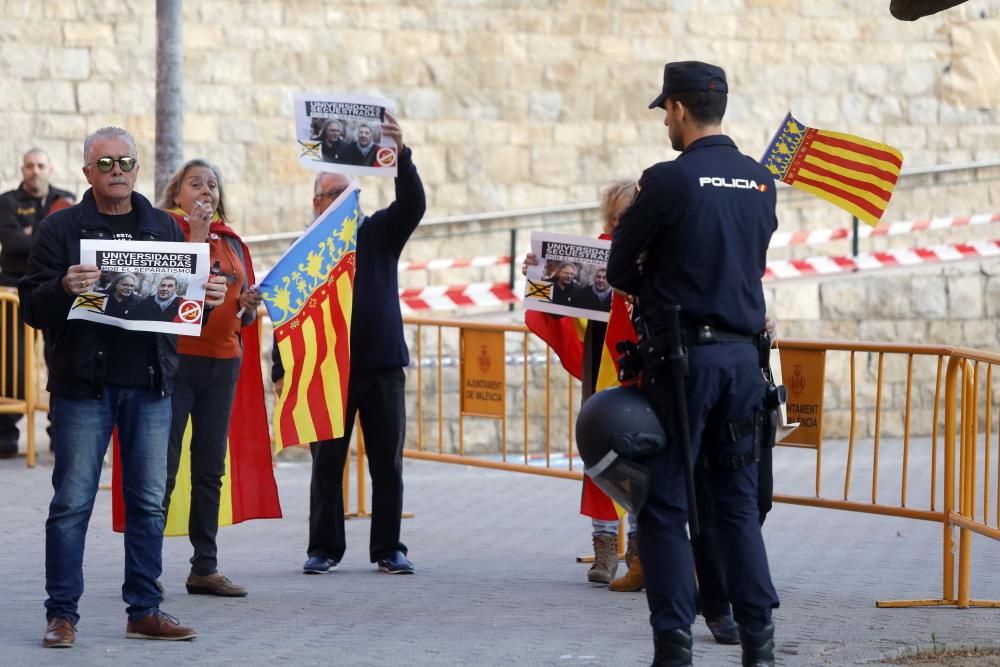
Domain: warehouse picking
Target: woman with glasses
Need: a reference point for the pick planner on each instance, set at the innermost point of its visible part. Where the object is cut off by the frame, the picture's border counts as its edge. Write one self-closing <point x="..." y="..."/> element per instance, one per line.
<point x="210" y="365"/>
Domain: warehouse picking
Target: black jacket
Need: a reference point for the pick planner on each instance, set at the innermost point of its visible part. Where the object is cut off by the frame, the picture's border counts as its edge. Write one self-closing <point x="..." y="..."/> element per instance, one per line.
<point x="18" y="211"/>
<point x="377" y="341"/>
<point x="353" y="155"/>
<point x="705" y="221"/>
<point x="335" y="152"/>
<point x="80" y="348"/>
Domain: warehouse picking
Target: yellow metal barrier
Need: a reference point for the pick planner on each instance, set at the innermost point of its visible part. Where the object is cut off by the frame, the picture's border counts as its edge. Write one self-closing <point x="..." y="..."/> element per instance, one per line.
<point x="886" y="403"/>
<point x="17" y="357"/>
<point x="500" y="459"/>
<point x="967" y="517"/>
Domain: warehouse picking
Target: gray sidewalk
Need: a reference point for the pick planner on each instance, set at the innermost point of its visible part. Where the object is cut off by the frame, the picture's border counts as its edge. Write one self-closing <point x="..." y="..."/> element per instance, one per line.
<point x="496" y="584"/>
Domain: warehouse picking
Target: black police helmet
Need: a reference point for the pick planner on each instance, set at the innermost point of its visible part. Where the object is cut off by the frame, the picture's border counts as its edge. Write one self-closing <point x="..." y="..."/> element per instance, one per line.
<point x="615" y="430"/>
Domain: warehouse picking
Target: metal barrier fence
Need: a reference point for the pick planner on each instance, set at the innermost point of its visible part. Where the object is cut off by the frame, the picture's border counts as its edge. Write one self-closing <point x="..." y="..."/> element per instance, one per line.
<point x="941" y="489"/>
<point x="505" y="459"/>
<point x="18" y="368"/>
<point x="966" y="517"/>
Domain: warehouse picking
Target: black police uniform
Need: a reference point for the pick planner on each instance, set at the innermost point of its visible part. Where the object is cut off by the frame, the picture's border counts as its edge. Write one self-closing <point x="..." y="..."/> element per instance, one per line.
<point x="704" y="221"/>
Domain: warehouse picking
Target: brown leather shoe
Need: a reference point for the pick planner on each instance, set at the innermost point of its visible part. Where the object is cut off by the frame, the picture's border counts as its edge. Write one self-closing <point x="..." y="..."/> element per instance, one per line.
<point x="60" y="633"/>
<point x="214" y="584"/>
<point x="159" y="625"/>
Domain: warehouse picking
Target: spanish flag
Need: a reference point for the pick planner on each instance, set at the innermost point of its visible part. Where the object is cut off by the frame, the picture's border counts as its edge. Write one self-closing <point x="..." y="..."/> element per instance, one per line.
<point x="248" y="487"/>
<point x="855" y="174"/>
<point x="595" y="503"/>
<point x="309" y="296"/>
<point x="563" y="334"/>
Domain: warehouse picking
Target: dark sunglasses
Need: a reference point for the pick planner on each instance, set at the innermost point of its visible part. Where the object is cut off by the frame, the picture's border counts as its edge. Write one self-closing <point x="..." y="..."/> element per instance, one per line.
<point x="106" y="164"/>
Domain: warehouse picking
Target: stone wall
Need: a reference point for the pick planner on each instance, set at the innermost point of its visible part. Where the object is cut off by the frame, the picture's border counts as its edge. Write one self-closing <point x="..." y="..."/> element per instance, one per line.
<point x="507" y="104"/>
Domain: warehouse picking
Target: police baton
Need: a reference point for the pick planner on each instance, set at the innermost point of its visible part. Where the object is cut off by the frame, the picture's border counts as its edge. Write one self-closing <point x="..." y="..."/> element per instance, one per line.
<point x="675" y="356"/>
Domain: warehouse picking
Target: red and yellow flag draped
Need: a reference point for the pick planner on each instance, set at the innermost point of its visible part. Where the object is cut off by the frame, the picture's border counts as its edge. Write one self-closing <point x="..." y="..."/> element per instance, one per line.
<point x="853" y="173"/>
<point x="309" y="295"/>
<point x="248" y="487"/>
<point x="594" y="502"/>
<point x="563" y="334"/>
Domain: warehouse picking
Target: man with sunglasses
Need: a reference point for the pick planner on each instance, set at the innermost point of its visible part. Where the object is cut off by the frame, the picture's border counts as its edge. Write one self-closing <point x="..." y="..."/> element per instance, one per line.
<point x="377" y="383"/>
<point x="20" y="212"/>
<point x="103" y="377"/>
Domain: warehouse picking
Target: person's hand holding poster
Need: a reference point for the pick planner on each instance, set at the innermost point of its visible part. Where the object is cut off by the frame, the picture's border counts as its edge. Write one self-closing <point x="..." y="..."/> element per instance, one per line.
<point x="344" y="134"/>
<point x="571" y="276"/>
<point x="145" y="286"/>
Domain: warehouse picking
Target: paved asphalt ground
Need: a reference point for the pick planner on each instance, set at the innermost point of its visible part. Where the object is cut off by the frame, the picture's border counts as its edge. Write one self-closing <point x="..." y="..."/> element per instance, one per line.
<point x="496" y="583"/>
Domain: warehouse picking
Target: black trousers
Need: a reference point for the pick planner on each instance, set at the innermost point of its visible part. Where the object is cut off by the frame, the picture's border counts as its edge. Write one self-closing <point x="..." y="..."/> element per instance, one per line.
<point x="724" y="385"/>
<point x="713" y="598"/>
<point x="378" y="396"/>
<point x="203" y="390"/>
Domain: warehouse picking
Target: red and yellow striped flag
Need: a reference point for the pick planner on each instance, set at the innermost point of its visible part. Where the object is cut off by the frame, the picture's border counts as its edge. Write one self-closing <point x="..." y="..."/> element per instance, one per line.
<point x="595" y="503"/>
<point x="856" y="174"/>
<point x="309" y="294"/>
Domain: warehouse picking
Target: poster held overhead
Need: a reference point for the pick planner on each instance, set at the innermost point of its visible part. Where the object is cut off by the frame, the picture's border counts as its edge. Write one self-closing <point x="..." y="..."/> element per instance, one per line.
<point x="343" y="134"/>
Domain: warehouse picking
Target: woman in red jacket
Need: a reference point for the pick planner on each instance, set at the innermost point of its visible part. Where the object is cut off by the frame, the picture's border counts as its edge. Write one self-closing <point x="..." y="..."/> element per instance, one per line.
<point x="205" y="384"/>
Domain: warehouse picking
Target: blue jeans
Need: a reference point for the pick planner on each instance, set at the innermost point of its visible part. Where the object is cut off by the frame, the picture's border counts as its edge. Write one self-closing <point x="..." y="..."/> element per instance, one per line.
<point x="602" y="527"/>
<point x="81" y="432"/>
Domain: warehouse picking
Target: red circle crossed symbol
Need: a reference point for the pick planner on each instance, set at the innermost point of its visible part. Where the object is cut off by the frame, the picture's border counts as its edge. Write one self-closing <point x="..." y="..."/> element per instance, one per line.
<point x="386" y="157"/>
<point x="189" y="311"/>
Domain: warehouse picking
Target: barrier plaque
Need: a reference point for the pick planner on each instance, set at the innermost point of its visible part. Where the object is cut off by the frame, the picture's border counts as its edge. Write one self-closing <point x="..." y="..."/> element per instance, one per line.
<point x="803" y="374"/>
<point x="483" y="369"/>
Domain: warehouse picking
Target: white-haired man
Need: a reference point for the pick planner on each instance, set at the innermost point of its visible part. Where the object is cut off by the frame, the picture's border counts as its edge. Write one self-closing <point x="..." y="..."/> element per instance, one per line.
<point x="103" y="377"/>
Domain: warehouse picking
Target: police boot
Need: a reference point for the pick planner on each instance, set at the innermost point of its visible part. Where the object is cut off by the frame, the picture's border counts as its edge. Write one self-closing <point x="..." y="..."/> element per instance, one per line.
<point x="673" y="648"/>
<point x="758" y="647"/>
<point x="605" y="559"/>
<point x="633" y="581"/>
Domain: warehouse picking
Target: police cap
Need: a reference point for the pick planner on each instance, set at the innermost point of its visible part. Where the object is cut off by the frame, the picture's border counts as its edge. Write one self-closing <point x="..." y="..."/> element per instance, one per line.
<point x="690" y="76"/>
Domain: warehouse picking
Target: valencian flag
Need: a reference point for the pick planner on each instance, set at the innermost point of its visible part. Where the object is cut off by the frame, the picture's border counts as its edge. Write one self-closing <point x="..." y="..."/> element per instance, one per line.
<point x="855" y="174"/>
<point x="248" y="487"/>
<point x="309" y="295"/>
<point x="594" y="502"/>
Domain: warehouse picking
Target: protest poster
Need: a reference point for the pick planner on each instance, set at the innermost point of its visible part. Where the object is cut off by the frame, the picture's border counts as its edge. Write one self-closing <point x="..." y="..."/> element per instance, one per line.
<point x="570" y="278"/>
<point x="343" y="134"/>
<point x="145" y="286"/>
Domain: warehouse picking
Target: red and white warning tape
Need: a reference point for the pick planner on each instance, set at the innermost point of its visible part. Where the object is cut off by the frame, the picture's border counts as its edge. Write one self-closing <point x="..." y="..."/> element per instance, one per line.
<point x="779" y="240"/>
<point x="469" y="262"/>
<point x="821" y="266"/>
<point x="451" y="297"/>
<point x="782" y="239"/>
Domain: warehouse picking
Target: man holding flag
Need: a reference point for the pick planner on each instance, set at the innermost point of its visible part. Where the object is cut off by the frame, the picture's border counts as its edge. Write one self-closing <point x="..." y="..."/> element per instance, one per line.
<point x="376" y="381"/>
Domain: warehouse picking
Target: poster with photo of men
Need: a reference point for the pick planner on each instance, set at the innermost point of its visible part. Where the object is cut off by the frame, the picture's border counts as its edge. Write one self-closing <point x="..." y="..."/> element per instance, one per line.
<point x="571" y="276"/>
<point x="343" y="134"/>
<point x="145" y="286"/>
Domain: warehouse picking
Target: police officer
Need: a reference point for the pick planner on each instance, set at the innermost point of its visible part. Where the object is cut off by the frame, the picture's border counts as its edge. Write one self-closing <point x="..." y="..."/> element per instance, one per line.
<point x="696" y="236"/>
